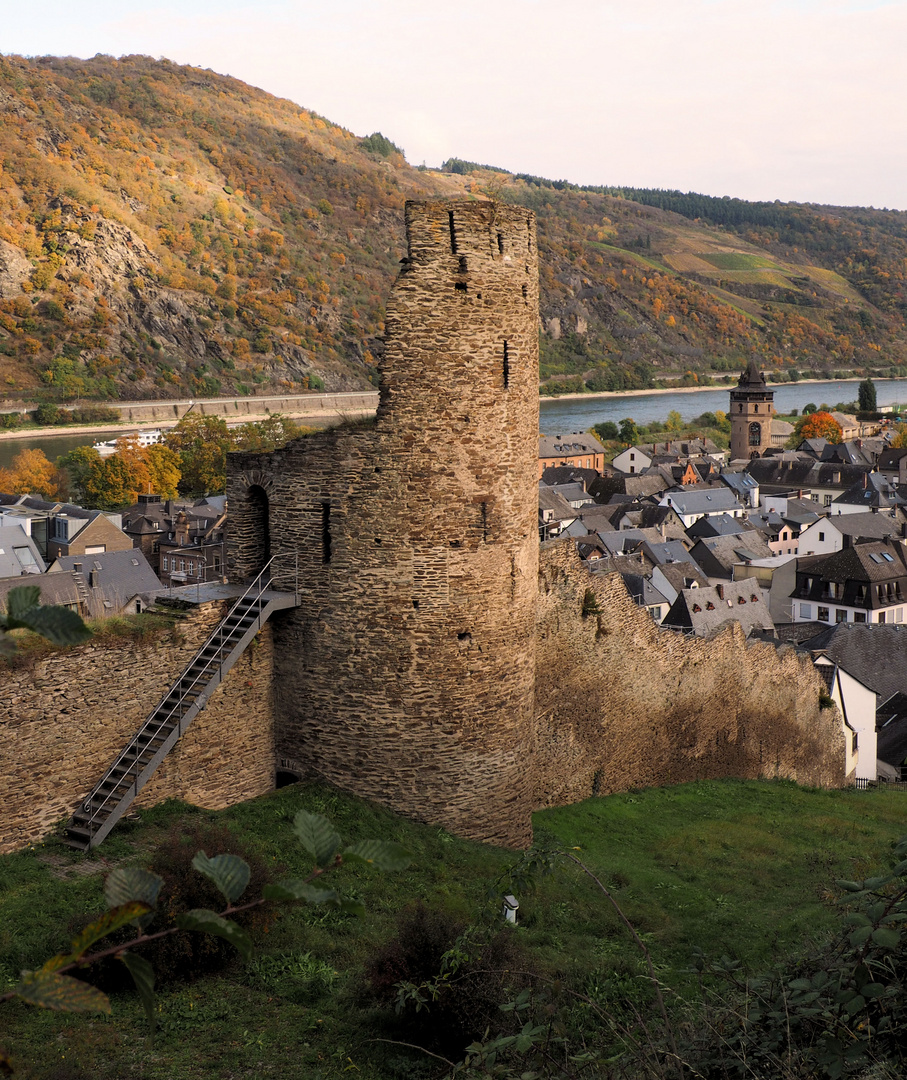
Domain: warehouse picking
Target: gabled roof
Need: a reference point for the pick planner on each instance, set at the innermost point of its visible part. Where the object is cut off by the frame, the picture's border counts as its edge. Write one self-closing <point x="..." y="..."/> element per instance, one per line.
<point x="706" y="610"/>
<point x="875" y="653"/>
<point x="120" y="576"/>
<point x="875" y="561"/>
<point x="848" y="452"/>
<point x="569" y="444"/>
<point x="717" y="525"/>
<point x="874" y="491"/>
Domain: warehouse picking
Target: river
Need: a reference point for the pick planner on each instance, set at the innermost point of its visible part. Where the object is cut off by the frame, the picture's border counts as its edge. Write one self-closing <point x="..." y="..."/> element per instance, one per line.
<point x="580" y="413"/>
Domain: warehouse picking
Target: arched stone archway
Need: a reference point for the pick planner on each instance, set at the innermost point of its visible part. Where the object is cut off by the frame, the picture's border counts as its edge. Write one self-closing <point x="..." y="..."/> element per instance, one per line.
<point x="250" y="526"/>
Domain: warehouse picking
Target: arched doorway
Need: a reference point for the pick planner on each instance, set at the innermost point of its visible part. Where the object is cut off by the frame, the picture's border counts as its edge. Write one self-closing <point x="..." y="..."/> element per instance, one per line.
<point x="259" y="525"/>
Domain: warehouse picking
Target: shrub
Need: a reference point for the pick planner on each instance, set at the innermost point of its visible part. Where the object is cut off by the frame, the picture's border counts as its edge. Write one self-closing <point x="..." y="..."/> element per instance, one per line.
<point x="466" y="1001"/>
<point x="188" y="955"/>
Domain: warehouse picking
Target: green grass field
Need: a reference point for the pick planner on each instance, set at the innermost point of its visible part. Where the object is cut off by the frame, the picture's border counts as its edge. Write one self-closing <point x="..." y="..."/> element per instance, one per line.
<point x="744" y="868"/>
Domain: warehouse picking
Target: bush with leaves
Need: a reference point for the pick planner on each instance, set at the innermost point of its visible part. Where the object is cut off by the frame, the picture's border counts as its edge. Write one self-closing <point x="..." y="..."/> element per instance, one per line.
<point x="133" y="895"/>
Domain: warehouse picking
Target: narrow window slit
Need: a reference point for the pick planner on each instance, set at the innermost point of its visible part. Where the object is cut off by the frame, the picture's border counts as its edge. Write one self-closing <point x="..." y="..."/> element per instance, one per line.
<point x="453" y="232"/>
<point x="506" y="366"/>
<point x="484" y="522"/>
<point x="501" y="242"/>
<point x="325" y="532"/>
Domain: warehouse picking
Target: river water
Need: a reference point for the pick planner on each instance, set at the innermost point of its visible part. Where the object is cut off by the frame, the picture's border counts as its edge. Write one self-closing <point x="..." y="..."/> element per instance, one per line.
<point x="579" y="414"/>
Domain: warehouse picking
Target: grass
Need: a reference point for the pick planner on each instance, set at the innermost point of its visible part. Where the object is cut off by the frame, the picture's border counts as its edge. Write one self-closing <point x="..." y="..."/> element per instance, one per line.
<point x="744" y="868"/>
<point x="737" y="260"/>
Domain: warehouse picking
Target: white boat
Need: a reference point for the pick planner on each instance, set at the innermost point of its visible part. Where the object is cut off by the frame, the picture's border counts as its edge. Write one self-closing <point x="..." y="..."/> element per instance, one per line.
<point x="144" y="438"/>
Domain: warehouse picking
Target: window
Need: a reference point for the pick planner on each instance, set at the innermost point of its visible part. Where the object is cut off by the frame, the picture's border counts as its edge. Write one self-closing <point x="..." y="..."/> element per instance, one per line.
<point x="840" y="615"/>
<point x="755" y="434"/>
<point x="165" y="562"/>
<point x="859" y="616"/>
<point x="155" y="547"/>
<point x="806" y="611"/>
<point x="824" y="615"/>
<point x="881" y="616"/>
<point x="96" y="549"/>
<point x="822" y="535"/>
<point x="26" y="560"/>
<point x="826" y="501"/>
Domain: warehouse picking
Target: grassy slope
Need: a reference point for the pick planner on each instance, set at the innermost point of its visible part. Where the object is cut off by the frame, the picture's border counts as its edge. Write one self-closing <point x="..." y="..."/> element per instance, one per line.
<point x="745" y="868"/>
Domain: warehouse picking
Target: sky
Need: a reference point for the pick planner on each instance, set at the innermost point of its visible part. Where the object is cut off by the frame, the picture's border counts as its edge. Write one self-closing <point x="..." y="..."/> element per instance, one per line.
<point x="797" y="100"/>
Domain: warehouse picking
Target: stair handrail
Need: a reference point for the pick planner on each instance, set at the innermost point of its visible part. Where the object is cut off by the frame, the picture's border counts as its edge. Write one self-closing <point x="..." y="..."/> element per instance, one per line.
<point x="124" y="753"/>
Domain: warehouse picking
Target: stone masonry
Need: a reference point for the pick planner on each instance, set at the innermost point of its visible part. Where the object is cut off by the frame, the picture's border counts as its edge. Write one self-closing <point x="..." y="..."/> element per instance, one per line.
<point x="432" y="666"/>
<point x="65" y="719"/>
<point x="439" y="663"/>
<point x="407" y="674"/>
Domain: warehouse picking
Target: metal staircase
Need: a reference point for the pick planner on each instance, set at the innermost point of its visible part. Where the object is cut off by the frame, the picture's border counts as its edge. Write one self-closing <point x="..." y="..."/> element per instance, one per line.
<point x="114" y="793"/>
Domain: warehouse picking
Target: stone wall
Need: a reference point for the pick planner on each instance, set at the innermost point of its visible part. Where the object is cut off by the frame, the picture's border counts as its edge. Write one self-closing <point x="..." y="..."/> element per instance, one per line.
<point x="407" y="675"/>
<point x="623" y="704"/>
<point x="63" y="722"/>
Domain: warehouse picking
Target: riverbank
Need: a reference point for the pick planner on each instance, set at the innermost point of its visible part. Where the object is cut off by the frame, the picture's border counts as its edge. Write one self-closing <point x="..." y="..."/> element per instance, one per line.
<point x="726" y="387"/>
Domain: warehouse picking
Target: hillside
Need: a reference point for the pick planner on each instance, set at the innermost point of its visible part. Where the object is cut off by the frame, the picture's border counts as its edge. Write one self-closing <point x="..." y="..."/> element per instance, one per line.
<point x="167" y="231"/>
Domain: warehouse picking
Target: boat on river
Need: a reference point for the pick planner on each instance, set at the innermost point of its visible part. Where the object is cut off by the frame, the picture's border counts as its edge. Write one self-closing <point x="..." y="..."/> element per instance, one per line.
<point x="144" y="438"/>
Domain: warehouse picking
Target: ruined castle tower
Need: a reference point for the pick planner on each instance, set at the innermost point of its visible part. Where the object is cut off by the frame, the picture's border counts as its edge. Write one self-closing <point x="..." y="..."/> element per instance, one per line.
<point x="407" y="675"/>
<point x="751" y="414"/>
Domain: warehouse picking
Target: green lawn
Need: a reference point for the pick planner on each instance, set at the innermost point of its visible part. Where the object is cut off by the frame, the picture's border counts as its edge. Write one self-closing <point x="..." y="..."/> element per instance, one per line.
<point x="745" y="868"/>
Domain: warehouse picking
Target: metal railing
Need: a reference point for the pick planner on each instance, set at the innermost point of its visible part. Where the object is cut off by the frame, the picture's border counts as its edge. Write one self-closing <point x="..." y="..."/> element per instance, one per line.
<point x="879" y="784"/>
<point x="158" y="719"/>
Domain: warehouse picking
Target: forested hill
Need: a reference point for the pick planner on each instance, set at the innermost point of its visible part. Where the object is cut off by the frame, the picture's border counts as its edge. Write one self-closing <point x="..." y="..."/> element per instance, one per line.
<point x="167" y="231"/>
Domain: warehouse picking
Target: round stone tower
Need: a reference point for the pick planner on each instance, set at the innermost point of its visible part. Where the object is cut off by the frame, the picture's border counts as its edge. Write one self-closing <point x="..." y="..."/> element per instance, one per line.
<point x="407" y="675"/>
<point x="751" y="414"/>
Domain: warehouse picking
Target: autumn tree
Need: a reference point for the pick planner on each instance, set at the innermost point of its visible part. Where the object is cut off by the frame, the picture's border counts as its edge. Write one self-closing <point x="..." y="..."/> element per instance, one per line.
<point x="202" y="443"/>
<point x="114" y="481"/>
<point x="819" y="425"/>
<point x="629" y="432"/>
<point x="266" y="435"/>
<point x="31" y="474"/>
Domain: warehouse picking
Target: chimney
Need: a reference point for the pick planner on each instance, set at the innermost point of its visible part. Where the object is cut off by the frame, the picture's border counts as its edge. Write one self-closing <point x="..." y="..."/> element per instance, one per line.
<point x="77" y="567"/>
<point x="720" y="590"/>
<point x="93" y="579"/>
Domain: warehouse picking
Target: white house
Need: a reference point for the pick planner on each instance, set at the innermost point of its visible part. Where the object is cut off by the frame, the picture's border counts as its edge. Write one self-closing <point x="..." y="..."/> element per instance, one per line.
<point x="857" y="705"/>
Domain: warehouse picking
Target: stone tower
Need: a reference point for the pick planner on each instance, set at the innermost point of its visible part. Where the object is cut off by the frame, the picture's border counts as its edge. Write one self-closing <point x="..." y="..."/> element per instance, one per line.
<point x="751" y="414"/>
<point x="407" y="675"/>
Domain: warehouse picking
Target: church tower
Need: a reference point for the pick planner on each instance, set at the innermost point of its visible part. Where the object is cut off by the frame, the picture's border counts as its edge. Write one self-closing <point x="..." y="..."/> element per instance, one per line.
<point x="751" y="414"/>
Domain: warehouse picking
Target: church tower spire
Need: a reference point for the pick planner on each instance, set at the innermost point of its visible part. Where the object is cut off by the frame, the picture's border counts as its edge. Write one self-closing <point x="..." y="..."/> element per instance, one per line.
<point x="751" y="412"/>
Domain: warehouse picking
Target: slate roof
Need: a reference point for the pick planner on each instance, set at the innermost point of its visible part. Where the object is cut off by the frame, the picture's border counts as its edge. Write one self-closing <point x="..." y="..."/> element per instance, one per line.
<point x="683" y="575"/>
<point x="717" y="555"/>
<point x="848" y="452"/>
<point x="874" y="491"/>
<point x="718" y="525"/>
<point x="874" y="653"/>
<point x="570" y="443"/>
<point x="120" y="576"/>
<point x="870" y="526"/>
<point x="705" y="611"/>
<point x="857" y="563"/>
<point x="642" y="590"/>
<point x="786" y="471"/>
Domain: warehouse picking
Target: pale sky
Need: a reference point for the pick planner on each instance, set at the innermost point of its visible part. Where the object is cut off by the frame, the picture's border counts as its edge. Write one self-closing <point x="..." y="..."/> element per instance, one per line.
<point x="802" y="100"/>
